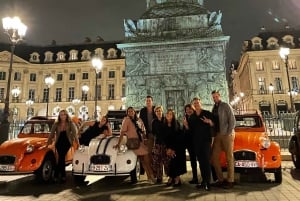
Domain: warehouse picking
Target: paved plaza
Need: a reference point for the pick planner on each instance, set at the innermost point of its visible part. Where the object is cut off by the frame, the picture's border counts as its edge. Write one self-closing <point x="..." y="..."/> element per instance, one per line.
<point x="119" y="189"/>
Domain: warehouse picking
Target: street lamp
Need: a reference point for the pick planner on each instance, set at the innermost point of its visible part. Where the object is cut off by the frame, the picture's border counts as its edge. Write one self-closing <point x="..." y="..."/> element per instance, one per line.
<point x="85" y="88"/>
<point x="15" y="30"/>
<point x="284" y="54"/>
<point x="97" y="65"/>
<point x="29" y="103"/>
<point x="271" y="89"/>
<point x="49" y="81"/>
<point x="15" y="92"/>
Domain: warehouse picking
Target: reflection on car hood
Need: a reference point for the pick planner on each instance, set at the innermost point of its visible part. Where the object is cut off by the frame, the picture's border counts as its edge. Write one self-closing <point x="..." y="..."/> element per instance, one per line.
<point x="248" y="140"/>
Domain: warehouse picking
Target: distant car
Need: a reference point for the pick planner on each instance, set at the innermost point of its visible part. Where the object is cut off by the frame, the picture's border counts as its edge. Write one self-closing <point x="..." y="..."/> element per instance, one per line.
<point x="27" y="153"/>
<point x="294" y="143"/>
<point x="253" y="149"/>
<point x="100" y="158"/>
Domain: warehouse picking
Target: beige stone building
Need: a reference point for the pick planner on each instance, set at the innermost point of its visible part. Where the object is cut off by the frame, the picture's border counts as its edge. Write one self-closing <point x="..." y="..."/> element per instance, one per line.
<point x="261" y="79"/>
<point x="71" y="68"/>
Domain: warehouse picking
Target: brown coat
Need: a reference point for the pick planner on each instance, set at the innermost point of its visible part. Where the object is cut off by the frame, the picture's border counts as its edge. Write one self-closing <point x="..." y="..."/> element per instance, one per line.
<point x="70" y="129"/>
<point x="129" y="129"/>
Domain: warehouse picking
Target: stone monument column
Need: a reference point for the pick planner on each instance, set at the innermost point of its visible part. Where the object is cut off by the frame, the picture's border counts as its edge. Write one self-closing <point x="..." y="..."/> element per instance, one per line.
<point x="174" y="52"/>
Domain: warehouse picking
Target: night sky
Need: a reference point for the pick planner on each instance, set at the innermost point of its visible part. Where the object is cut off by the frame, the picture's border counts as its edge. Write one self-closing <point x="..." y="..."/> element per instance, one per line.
<point x="70" y="21"/>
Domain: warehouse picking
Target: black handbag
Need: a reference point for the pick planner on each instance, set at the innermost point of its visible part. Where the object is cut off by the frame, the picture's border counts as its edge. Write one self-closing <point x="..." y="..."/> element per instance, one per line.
<point x="133" y="143"/>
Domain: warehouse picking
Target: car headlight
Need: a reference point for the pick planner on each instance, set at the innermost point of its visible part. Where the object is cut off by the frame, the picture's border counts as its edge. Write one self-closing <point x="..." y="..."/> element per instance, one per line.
<point x="122" y="148"/>
<point x="265" y="143"/>
<point x="29" y="148"/>
<point x="81" y="148"/>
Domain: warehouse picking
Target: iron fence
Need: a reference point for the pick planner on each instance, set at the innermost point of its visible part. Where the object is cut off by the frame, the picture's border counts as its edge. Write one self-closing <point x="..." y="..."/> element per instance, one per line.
<point x="280" y="128"/>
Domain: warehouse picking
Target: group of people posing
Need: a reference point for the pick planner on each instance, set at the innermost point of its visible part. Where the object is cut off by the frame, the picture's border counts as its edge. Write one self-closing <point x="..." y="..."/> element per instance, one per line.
<point x="164" y="141"/>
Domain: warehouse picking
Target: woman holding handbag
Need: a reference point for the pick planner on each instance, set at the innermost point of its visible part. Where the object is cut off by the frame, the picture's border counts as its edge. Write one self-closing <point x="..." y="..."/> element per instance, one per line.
<point x="133" y="128"/>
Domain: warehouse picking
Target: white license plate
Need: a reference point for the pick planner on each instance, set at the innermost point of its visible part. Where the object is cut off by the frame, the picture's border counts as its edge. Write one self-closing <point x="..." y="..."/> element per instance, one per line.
<point x="246" y="164"/>
<point x="7" y="168"/>
<point x="101" y="168"/>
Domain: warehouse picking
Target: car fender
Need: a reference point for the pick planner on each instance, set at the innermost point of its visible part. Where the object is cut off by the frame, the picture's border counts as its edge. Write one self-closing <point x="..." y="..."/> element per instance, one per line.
<point x="32" y="161"/>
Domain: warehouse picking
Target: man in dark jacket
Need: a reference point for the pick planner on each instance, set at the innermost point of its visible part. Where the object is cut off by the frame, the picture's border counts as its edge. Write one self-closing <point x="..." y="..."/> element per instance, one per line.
<point x="147" y="115"/>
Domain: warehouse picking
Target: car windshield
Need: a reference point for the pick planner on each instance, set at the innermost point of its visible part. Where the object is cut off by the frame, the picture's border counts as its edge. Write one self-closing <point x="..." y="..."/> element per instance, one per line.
<point x="253" y="122"/>
<point x="35" y="127"/>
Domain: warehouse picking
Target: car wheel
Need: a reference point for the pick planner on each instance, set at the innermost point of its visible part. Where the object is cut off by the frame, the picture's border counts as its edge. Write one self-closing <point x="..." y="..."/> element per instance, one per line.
<point x="294" y="150"/>
<point x="293" y="145"/>
<point x="278" y="175"/>
<point x="44" y="173"/>
<point x="296" y="160"/>
<point x="79" y="179"/>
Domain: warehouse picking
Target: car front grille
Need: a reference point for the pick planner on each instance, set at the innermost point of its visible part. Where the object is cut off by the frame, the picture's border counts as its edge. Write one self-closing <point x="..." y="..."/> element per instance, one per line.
<point x="244" y="155"/>
<point x="100" y="159"/>
<point x="7" y="160"/>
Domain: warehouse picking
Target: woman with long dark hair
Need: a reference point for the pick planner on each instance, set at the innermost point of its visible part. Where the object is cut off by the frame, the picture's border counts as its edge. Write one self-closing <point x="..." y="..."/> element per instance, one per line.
<point x="64" y="132"/>
<point x="175" y="149"/>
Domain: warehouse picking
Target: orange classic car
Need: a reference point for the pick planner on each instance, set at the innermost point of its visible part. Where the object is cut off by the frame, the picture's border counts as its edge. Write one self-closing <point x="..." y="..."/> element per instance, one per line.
<point x="253" y="149"/>
<point x="28" y="153"/>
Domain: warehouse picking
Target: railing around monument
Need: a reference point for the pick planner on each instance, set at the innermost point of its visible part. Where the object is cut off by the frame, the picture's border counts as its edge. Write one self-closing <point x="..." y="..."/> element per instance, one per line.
<point x="280" y="127"/>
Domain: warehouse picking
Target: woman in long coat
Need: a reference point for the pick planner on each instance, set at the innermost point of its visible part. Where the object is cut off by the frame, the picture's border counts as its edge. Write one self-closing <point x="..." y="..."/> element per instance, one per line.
<point x="175" y="148"/>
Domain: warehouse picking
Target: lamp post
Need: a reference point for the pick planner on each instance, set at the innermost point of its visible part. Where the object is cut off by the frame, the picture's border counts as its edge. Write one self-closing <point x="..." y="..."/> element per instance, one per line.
<point x="284" y="54"/>
<point x="97" y="65"/>
<point x="49" y="81"/>
<point x="15" y="92"/>
<point x="15" y="30"/>
<point x="85" y="88"/>
<point x="75" y="102"/>
<point x="271" y="89"/>
<point x="29" y="103"/>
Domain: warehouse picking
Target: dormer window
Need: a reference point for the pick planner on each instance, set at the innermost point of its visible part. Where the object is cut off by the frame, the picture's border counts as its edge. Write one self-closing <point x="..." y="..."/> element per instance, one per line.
<point x="99" y="52"/>
<point x="288" y="39"/>
<point x="48" y="57"/>
<point x="86" y="55"/>
<point x="272" y="43"/>
<point x="61" y="56"/>
<point x="73" y="55"/>
<point x="256" y="41"/>
<point x="34" y="57"/>
<point x="112" y="53"/>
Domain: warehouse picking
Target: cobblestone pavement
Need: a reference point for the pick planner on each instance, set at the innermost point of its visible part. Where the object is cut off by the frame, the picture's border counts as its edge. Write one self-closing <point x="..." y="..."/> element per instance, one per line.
<point x="119" y="189"/>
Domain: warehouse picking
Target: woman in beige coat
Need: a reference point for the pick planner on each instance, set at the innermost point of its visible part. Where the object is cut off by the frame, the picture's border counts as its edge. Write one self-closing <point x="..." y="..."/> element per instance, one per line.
<point x="133" y="127"/>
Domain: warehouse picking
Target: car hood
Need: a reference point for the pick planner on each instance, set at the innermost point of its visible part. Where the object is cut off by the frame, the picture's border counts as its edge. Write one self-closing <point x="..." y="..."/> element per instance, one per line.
<point x="248" y="140"/>
<point x="19" y="145"/>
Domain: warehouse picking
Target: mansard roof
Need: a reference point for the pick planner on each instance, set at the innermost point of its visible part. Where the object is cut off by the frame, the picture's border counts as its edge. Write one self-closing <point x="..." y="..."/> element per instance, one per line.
<point x="25" y="50"/>
<point x="281" y="37"/>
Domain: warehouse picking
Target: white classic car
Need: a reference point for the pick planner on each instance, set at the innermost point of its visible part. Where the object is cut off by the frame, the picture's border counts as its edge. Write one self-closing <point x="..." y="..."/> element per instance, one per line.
<point x="100" y="158"/>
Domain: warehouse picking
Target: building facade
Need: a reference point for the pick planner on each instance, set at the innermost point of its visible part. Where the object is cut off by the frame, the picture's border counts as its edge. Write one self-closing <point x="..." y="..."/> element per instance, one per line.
<point x="71" y="68"/>
<point x="261" y="79"/>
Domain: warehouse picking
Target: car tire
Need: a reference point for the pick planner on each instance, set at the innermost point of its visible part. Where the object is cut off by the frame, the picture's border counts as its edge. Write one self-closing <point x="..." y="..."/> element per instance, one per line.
<point x="278" y="175"/>
<point x="45" y="171"/>
<point x="294" y="150"/>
